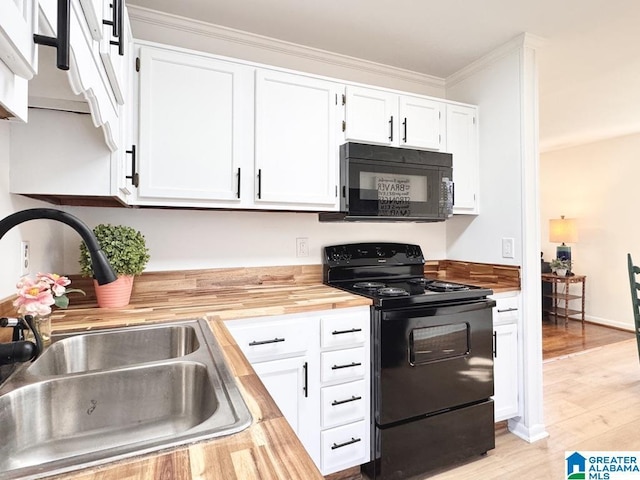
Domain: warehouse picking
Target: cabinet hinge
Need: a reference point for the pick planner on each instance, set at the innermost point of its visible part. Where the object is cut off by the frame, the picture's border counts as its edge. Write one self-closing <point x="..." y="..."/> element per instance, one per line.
<point x="344" y="99"/>
<point x="344" y="125"/>
<point x="474" y="120"/>
<point x="137" y="64"/>
<point x="439" y="115"/>
<point x="439" y="139"/>
<point x="336" y="191"/>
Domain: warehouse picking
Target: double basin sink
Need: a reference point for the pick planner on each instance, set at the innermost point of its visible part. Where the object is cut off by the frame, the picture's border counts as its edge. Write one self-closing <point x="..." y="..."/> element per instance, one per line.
<point x="97" y="397"/>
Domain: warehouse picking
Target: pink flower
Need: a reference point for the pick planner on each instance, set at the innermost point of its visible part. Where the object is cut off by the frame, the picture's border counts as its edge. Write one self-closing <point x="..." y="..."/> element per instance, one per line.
<point x="57" y="282"/>
<point x="36" y="296"/>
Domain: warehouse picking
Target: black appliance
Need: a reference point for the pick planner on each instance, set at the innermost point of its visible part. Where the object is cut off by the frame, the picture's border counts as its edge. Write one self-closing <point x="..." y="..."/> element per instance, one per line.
<point x="380" y="183"/>
<point x="432" y="359"/>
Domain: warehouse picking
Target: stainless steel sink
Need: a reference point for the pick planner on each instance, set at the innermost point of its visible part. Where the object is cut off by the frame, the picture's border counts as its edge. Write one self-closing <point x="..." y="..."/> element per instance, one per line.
<point x="115" y="348"/>
<point x="62" y="414"/>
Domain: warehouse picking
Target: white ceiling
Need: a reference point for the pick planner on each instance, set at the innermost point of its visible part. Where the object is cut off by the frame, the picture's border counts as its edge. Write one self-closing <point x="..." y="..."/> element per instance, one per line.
<point x="589" y="65"/>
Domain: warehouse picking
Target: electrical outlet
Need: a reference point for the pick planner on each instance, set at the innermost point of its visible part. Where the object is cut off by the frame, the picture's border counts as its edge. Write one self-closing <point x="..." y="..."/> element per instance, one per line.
<point x="25" y="260"/>
<point x="507" y="248"/>
<point x="302" y="247"/>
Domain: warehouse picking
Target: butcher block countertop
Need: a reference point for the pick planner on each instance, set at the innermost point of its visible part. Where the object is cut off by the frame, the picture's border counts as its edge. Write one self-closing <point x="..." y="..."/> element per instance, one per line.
<point x="268" y="449"/>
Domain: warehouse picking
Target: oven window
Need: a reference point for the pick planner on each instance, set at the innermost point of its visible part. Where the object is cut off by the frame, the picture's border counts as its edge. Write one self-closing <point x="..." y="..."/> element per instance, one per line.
<point x="430" y="344"/>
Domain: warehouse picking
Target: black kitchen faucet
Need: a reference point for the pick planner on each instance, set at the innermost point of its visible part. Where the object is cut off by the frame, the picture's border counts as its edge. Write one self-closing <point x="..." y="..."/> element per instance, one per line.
<point x="23" y="350"/>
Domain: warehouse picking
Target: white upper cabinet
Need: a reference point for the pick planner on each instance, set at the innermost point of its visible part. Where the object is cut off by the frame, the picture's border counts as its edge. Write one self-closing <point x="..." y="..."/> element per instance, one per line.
<point x="296" y="149"/>
<point x="386" y="118"/>
<point x="371" y="116"/>
<point x="462" y="142"/>
<point x="421" y="123"/>
<point x="18" y="55"/>
<point x="195" y="129"/>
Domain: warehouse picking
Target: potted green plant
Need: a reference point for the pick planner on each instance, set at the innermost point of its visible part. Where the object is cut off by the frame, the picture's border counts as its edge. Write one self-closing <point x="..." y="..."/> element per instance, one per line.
<point x="127" y="252"/>
<point x="560" y="266"/>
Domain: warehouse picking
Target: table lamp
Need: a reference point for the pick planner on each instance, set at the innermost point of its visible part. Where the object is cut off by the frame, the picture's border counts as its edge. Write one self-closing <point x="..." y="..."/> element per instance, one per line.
<point x="560" y="231"/>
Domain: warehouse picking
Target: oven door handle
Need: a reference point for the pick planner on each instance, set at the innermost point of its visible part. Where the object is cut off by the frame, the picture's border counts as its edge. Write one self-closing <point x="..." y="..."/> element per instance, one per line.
<point x="461" y="307"/>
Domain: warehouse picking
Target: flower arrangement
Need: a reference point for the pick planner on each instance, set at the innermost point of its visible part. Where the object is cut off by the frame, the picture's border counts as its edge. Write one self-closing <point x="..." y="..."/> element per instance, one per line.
<point x="37" y="296"/>
<point x="560" y="264"/>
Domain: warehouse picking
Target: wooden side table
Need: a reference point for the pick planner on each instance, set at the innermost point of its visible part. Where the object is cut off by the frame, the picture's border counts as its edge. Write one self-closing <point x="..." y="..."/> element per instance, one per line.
<point x="560" y="305"/>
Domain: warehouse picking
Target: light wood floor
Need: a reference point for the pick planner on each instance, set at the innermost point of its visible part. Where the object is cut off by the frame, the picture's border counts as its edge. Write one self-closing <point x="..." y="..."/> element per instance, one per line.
<point x="592" y="402"/>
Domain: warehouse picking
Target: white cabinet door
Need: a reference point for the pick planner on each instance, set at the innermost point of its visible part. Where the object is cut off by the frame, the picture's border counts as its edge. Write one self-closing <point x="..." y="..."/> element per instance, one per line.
<point x="371" y="116"/>
<point x="288" y="382"/>
<point x="462" y="142"/>
<point x="195" y="126"/>
<point x="296" y="151"/>
<point x="505" y="371"/>
<point x="18" y="55"/>
<point x="422" y="123"/>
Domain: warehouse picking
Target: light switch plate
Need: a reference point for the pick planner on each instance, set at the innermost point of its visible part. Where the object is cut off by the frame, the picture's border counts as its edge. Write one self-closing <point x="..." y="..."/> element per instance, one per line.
<point x="507" y="248"/>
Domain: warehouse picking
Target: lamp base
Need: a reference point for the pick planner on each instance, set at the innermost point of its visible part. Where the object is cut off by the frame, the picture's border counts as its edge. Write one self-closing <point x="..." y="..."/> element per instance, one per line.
<point x="563" y="252"/>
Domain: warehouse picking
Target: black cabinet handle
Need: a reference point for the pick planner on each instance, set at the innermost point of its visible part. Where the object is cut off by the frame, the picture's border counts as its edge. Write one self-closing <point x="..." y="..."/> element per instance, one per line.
<point x="61" y="42"/>
<point x="404" y="124"/>
<point x="349" y="442"/>
<point x="391" y="129"/>
<point x="238" y="191"/>
<point x="134" y="177"/>
<point x="113" y="23"/>
<point x="352" y="364"/>
<point x="117" y="30"/>
<point x="259" y="182"/>
<point x="512" y="309"/>
<point x="340" y="332"/>
<point x="495" y="344"/>
<point x="306" y="379"/>
<point x="340" y="402"/>
<point x="264" y="342"/>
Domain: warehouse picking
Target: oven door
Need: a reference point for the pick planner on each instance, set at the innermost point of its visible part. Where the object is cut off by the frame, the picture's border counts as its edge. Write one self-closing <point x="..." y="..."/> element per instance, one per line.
<point x="431" y="358"/>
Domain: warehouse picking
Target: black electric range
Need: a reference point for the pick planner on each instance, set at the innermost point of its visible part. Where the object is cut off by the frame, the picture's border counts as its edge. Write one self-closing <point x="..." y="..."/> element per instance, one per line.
<point x="391" y="274"/>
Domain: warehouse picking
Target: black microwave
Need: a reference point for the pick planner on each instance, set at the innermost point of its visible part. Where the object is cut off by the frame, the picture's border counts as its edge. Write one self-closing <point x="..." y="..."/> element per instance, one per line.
<point x="379" y="183"/>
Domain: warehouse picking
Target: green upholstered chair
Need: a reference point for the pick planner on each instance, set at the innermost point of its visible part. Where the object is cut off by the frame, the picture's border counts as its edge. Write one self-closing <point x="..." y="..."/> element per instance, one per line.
<point x="635" y="288"/>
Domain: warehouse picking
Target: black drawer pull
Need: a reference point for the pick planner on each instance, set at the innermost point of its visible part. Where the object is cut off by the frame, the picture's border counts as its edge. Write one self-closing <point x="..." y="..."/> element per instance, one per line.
<point x="352" y="364"/>
<point x="340" y="402"/>
<point x="340" y="445"/>
<point x="511" y="309"/>
<point x="264" y="342"/>
<point x="340" y="332"/>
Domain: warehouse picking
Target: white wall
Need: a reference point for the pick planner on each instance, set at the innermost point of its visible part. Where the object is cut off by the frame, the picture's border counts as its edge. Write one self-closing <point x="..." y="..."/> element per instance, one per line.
<point x="193" y="239"/>
<point x="44" y="236"/>
<point x="495" y="89"/>
<point x="597" y="184"/>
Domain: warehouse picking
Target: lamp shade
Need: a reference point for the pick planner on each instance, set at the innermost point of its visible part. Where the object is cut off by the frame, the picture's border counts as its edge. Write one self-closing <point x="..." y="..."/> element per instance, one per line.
<point x="563" y="230"/>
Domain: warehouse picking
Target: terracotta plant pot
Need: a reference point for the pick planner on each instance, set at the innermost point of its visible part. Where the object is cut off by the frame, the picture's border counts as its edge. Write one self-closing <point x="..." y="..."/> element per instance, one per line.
<point x="116" y="294"/>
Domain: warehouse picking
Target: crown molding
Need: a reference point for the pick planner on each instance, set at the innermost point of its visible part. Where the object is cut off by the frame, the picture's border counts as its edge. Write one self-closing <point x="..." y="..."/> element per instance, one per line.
<point x="196" y="27"/>
<point x="524" y="40"/>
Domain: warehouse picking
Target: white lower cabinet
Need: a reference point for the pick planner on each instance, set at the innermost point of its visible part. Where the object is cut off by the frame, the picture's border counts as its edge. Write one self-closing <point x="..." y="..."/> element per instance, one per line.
<point x="506" y="315"/>
<point x="316" y="368"/>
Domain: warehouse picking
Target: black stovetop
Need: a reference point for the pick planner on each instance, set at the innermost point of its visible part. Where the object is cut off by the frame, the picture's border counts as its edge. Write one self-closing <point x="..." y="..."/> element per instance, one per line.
<point x="391" y="274"/>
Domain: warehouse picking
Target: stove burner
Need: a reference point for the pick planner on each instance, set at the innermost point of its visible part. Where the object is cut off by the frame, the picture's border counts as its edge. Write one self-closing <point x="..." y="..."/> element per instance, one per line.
<point x="368" y="285"/>
<point x="392" y="292"/>
<point x="421" y="281"/>
<point x="445" y="287"/>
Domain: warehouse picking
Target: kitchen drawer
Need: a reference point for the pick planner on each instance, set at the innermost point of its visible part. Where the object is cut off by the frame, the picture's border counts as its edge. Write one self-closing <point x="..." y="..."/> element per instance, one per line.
<point x="343" y="365"/>
<point x="344" y="447"/>
<point x="344" y="330"/>
<point x="265" y="340"/>
<point x="344" y="403"/>
<point x="507" y="309"/>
